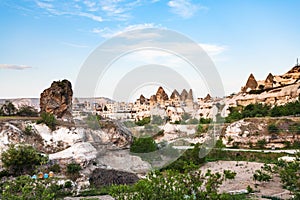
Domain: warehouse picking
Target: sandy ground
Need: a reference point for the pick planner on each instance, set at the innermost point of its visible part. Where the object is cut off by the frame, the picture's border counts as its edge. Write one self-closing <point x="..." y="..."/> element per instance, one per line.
<point x="244" y="177"/>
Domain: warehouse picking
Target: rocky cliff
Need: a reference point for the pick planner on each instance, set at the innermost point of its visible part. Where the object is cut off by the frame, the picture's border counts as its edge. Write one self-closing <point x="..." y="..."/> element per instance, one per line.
<point x="57" y="99"/>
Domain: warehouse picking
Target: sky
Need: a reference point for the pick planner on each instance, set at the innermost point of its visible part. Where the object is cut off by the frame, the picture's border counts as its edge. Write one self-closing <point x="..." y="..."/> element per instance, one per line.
<point x="46" y="40"/>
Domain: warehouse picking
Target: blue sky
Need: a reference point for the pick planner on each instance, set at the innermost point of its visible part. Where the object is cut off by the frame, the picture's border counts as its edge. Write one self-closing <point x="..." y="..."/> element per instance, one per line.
<point x="46" y="40"/>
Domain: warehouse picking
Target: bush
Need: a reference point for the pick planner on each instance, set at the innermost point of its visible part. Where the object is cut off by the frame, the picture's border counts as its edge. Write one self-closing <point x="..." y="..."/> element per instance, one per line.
<point x="22" y="159"/>
<point x="129" y="124"/>
<point x="93" y="122"/>
<point x="205" y="120"/>
<point x="156" y="119"/>
<point x="49" y="120"/>
<point x="143" y="145"/>
<point x="55" y="168"/>
<point x="8" y="109"/>
<point x="272" y="128"/>
<point x="261" y="143"/>
<point x="24" y="187"/>
<point x="28" y="130"/>
<point x="144" y="121"/>
<point x="73" y="171"/>
<point x="27" y="111"/>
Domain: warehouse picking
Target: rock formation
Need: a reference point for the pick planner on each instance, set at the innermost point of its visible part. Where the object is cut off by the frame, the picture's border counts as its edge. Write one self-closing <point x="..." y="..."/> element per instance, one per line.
<point x="142" y="99"/>
<point x="184" y="95"/>
<point x="269" y="81"/>
<point x="161" y="95"/>
<point x="207" y="98"/>
<point x="251" y="84"/>
<point x="57" y="99"/>
<point x="174" y="94"/>
<point x="190" y="95"/>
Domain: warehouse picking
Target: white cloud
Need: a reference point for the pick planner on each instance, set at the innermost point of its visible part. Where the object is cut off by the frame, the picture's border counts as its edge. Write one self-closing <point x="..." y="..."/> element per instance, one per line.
<point x="108" y="32"/>
<point x="213" y="49"/>
<point x="14" y="67"/>
<point x="184" y="8"/>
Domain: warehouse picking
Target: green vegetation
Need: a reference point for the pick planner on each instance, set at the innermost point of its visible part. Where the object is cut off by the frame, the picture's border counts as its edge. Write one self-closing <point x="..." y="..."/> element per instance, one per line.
<point x="92" y="122"/>
<point x="8" y="109"/>
<point x="272" y="128"/>
<point x="144" y="121"/>
<point x="174" y="186"/>
<point x="22" y="159"/>
<point x="73" y="171"/>
<point x="156" y="119"/>
<point x="261" y="143"/>
<point x="27" y="111"/>
<point x="49" y="120"/>
<point x="24" y="187"/>
<point x="143" y="145"/>
<point x="205" y="120"/>
<point x="129" y="124"/>
<point x="28" y="130"/>
<point x="260" y="110"/>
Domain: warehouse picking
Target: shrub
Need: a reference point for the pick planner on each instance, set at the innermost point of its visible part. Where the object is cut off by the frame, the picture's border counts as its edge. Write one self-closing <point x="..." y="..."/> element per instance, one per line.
<point x="27" y="111"/>
<point x="129" y="124"/>
<point x="93" y="122"/>
<point x="28" y="130"/>
<point x="55" y="168"/>
<point x="143" y="145"/>
<point x="272" y="128"/>
<point x="73" y="171"/>
<point x="261" y="143"/>
<point x="144" y="121"/>
<point x="8" y="109"/>
<point x="156" y="119"/>
<point x="205" y="120"/>
<point x="22" y="159"/>
<point x="49" y="120"/>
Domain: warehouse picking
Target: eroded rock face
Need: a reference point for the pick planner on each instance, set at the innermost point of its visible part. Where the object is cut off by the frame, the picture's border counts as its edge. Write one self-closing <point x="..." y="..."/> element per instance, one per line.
<point x="57" y="99"/>
<point x="269" y="81"/>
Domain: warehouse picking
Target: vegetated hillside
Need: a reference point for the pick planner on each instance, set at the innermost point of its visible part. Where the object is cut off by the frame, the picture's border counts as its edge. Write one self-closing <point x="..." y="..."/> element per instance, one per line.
<point x="264" y="132"/>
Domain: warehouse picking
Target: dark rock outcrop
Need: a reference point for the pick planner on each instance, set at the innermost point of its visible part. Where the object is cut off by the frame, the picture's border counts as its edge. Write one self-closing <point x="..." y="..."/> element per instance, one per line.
<point x="105" y="177"/>
<point x="57" y="99"/>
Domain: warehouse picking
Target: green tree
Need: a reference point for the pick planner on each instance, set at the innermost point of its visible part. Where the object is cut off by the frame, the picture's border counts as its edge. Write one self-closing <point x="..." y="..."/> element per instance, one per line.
<point x="27" y="111"/>
<point x="261" y="143"/>
<point x="73" y="171"/>
<point x="9" y="109"/>
<point x="143" y="145"/>
<point x="261" y="176"/>
<point x="272" y="128"/>
<point x="144" y="121"/>
<point x="22" y="159"/>
<point x="48" y="119"/>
